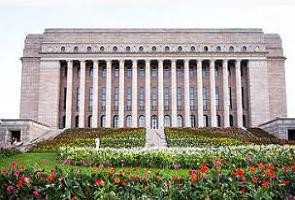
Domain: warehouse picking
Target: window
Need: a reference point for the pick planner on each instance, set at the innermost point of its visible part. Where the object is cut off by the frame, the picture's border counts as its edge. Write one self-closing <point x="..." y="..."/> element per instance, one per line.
<point x="166" y="98"/>
<point x="89" y="121"/>
<point x="140" y="48"/>
<point x="217" y="97"/>
<point x="90" y="99"/>
<point x="191" y="72"/>
<point x="230" y="98"/>
<point x="129" y="121"/>
<point x="231" y="120"/>
<point x="78" y="99"/>
<point x="231" y="48"/>
<point x="193" y="121"/>
<point x="116" y="71"/>
<point x="193" y="48"/>
<point x="216" y="71"/>
<point x="91" y="71"/>
<point x="244" y="49"/>
<point x="101" y="48"/>
<point x="244" y="121"/>
<point x="76" y="49"/>
<point x="154" y="71"/>
<point x="78" y="71"/>
<point x="179" y="71"/>
<point x="77" y="121"/>
<point x="206" y="48"/>
<point x="218" y="119"/>
<point x="89" y="49"/>
<point x="179" y="48"/>
<point x="229" y="71"/>
<point x="179" y="98"/>
<point x="167" y="121"/>
<point x="115" y="121"/>
<point x="192" y="98"/>
<point x="206" y="121"/>
<point x="204" y="71"/>
<point x="116" y="98"/>
<point x="154" y="98"/>
<point x="167" y="48"/>
<point x="243" y="96"/>
<point x="115" y="48"/>
<point x="103" y="99"/>
<point x="65" y="98"/>
<point x="128" y="49"/>
<point x="129" y="98"/>
<point x="103" y="121"/>
<point x="103" y="71"/>
<point x="63" y="49"/>
<point x="141" y="71"/>
<point x="154" y="48"/>
<point x="179" y="121"/>
<point x="218" y="48"/>
<point x="205" y="98"/>
<point x="129" y="72"/>
<point x="63" y="122"/>
<point x="141" y="121"/>
<point x="141" y="98"/>
<point x="166" y="71"/>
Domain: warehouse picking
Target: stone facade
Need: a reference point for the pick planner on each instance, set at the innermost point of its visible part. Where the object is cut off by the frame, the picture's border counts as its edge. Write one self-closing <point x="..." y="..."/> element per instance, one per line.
<point x="283" y="128"/>
<point x="184" y="77"/>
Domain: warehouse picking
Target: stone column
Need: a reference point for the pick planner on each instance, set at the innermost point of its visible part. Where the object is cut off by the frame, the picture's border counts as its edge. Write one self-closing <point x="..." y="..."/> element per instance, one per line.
<point x="225" y="93"/>
<point x="147" y="94"/>
<point x="212" y="93"/>
<point x="160" y="94"/>
<point x="108" y="117"/>
<point x="187" y="121"/>
<point x="69" y="100"/>
<point x="134" y="93"/>
<point x="239" y="94"/>
<point x="121" y="94"/>
<point x="82" y="94"/>
<point x="95" y="95"/>
<point x="173" y="94"/>
<point x="200" y="94"/>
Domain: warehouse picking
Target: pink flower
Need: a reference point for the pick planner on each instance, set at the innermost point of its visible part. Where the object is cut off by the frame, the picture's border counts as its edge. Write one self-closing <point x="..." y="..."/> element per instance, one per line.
<point x="16" y="173"/>
<point x="13" y="164"/>
<point x="9" y="188"/>
<point x="35" y="193"/>
<point x="101" y="167"/>
<point x="45" y="161"/>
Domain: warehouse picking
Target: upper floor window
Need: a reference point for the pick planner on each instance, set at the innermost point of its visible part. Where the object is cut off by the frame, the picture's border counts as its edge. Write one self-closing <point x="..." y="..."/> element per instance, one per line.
<point x="206" y="48"/>
<point x="90" y="99"/>
<point x="90" y="71"/>
<point x="103" y="98"/>
<point x="128" y="49"/>
<point x="115" y="48"/>
<point x="205" y="98"/>
<point x="204" y="71"/>
<point x="257" y="48"/>
<point x="89" y="49"/>
<point x="191" y="72"/>
<point x="140" y="48"/>
<point x="116" y="98"/>
<point x="76" y="49"/>
<point x="217" y="98"/>
<point x="154" y="48"/>
<point x="216" y="71"/>
<point x="101" y="48"/>
<point x="244" y="48"/>
<point x="231" y="48"/>
<point x="218" y="48"/>
<point x="166" y="98"/>
<point x="154" y="71"/>
<point x="116" y="71"/>
<point x="166" y="71"/>
<point x="154" y="98"/>
<point x="103" y="71"/>
<point x="179" y="48"/>
<point x="179" y="98"/>
<point x="167" y="48"/>
<point x="141" y="98"/>
<point x="129" y="98"/>
<point x="179" y="71"/>
<point x="192" y="97"/>
<point x="193" y="48"/>
<point x="129" y="71"/>
<point x="141" y="71"/>
<point x="63" y="49"/>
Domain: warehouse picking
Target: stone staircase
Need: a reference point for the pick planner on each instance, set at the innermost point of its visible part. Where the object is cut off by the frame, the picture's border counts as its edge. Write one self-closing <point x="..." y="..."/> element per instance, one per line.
<point x="52" y="133"/>
<point x="155" y="138"/>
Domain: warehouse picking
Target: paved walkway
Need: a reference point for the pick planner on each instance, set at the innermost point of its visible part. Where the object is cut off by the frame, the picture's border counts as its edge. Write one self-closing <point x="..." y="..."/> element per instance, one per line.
<point x="155" y="138"/>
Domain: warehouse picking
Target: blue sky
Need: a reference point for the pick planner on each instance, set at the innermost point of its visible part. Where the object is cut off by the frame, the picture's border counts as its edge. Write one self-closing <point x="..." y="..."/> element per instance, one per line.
<point x="20" y="17"/>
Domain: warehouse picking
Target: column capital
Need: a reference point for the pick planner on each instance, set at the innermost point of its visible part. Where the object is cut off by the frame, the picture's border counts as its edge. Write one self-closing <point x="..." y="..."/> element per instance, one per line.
<point x="82" y="61"/>
<point x="160" y="59"/>
<point x="134" y="60"/>
<point x="121" y="61"/>
<point x="173" y="60"/>
<point x="225" y="60"/>
<point x="238" y="61"/>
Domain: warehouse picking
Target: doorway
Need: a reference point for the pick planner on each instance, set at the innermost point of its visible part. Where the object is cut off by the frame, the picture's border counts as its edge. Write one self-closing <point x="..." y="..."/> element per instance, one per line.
<point x="291" y="134"/>
<point x="16" y="135"/>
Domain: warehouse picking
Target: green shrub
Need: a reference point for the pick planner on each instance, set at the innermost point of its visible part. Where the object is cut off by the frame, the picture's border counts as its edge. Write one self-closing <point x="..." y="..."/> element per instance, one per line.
<point x="6" y="152"/>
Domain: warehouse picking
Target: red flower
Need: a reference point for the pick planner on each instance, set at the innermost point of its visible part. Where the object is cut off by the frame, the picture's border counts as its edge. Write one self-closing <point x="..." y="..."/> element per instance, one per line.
<point x="204" y="169"/>
<point x="261" y="166"/>
<point x="52" y="175"/>
<point x="21" y="181"/>
<point x="240" y="172"/>
<point x="9" y="188"/>
<point x="5" y="171"/>
<point x="265" y="184"/>
<point x="123" y="183"/>
<point x="194" y="178"/>
<point x="216" y="163"/>
<point x="36" y="193"/>
<point x="252" y="169"/>
<point x="293" y="167"/>
<point x="99" y="182"/>
<point x="255" y="180"/>
<point x="117" y="180"/>
<point x="13" y="164"/>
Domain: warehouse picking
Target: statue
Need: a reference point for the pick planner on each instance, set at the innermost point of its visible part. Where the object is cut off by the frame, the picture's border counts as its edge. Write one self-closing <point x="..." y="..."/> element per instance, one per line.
<point x="97" y="143"/>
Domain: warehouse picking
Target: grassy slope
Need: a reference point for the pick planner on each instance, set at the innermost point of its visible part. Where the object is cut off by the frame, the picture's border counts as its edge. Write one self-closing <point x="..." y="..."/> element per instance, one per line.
<point x="50" y="160"/>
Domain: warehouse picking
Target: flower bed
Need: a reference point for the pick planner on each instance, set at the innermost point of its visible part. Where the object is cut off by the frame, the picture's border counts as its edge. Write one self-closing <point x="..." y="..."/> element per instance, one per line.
<point x="219" y="179"/>
<point x="6" y="152"/>
<point x="188" y="137"/>
<point x="115" y="138"/>
<point x="241" y="156"/>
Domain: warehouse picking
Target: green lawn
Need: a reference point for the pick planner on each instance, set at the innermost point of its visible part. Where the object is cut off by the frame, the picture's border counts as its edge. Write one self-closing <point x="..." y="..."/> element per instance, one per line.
<point x="48" y="161"/>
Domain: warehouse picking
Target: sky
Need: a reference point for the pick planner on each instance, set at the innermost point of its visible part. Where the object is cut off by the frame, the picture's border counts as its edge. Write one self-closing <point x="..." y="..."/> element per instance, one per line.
<point x="20" y="17"/>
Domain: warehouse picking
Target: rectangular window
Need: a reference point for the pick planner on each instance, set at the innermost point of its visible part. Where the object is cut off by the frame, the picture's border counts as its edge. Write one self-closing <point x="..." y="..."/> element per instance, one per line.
<point x="191" y="72"/>
<point x="154" y="98"/>
<point x="229" y="71"/>
<point x="230" y="98"/>
<point x="243" y="98"/>
<point x="179" y="71"/>
<point x="216" y="71"/>
<point x="116" y="98"/>
<point x="141" y="98"/>
<point x="129" y="72"/>
<point x="78" y="99"/>
<point x="192" y="98"/>
<point x="78" y="72"/>
<point x="217" y="97"/>
<point x="65" y="98"/>
<point x="103" y="98"/>
<point x="90" y="99"/>
<point x="166" y="98"/>
<point x="116" y="71"/>
<point x="103" y="71"/>
<point x="179" y="98"/>
<point x="141" y="71"/>
<point x="91" y="72"/>
<point x="205" y="98"/>
<point x="129" y="98"/>
<point x="204" y="72"/>
<point x="154" y="71"/>
<point x="166" y="72"/>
